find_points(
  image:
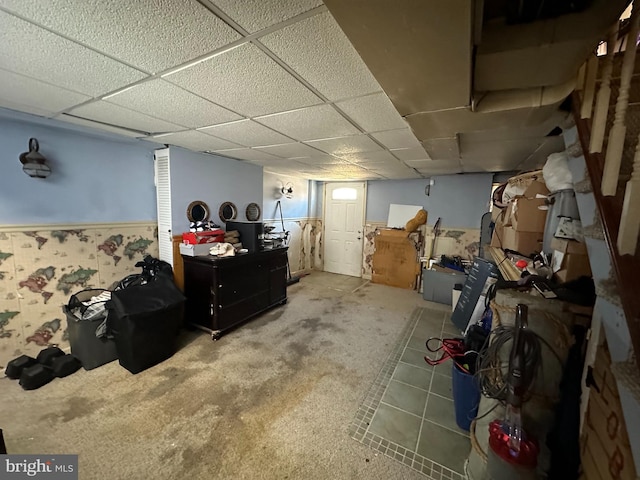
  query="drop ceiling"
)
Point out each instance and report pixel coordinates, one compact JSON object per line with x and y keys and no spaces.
{"x":275,"y":82}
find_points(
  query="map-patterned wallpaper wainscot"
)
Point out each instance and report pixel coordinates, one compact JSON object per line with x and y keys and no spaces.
{"x":41,"y":269}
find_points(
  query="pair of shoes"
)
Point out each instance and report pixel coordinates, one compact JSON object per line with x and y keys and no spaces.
{"x":35,"y":372}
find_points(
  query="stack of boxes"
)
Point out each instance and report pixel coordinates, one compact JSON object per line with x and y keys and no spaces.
{"x":570,"y":259}
{"x":520,"y":227}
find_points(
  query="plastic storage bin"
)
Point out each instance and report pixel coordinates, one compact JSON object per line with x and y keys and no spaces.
{"x":85,"y":346}
{"x":438,"y":286}
{"x":466,"y":397}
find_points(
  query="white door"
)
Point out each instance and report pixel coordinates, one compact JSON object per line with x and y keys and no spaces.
{"x":163,"y":197}
{"x":344,"y":205}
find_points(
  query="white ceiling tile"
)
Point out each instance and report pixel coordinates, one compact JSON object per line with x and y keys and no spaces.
{"x":164,"y":100}
{"x":151,"y":34}
{"x":417,"y":153}
{"x":248,"y":154}
{"x":344,"y":146}
{"x":36,"y":94}
{"x":122,"y":117}
{"x":246,"y":81}
{"x":318,"y":50}
{"x":255,"y":15}
{"x":440,"y":167}
{"x":195,"y":141}
{"x":372,"y":157}
{"x":247,"y":133}
{"x":373,"y":112}
{"x":37,"y":53}
{"x":402,"y":175}
{"x":321,"y":121}
{"x":99,"y":126}
{"x":291,"y":150}
{"x":397,"y":138}
{"x":322,"y":160}
{"x":4,"y":103}
{"x":419,"y":163}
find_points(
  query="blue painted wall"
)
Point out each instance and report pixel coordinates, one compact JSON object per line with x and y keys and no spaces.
{"x":214,"y":180}
{"x":298,"y":206}
{"x":460,"y":200}
{"x":95,"y":177}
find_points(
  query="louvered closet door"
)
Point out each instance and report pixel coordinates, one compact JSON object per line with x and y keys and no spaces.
{"x":163,"y":195}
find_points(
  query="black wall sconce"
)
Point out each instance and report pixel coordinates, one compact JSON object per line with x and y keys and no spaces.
{"x":427,"y":188}
{"x":287,"y":190}
{"x":33,"y":162}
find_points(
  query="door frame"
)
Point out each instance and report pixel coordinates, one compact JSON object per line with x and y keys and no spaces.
{"x":324,"y":217}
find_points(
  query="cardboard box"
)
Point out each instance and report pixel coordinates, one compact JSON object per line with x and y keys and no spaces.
{"x":569,"y":246}
{"x":392,"y":232}
{"x":192,"y":250}
{"x":525,"y":243}
{"x":524,"y":213}
{"x":395,"y":261}
{"x":573,"y":266}
{"x":570,"y":259}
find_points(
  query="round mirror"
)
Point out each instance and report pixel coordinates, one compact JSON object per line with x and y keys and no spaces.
{"x":228,"y":211}
{"x":198,"y":211}
{"x":253,"y":212}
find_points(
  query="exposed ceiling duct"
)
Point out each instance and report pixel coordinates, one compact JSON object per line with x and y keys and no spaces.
{"x":479,"y":88}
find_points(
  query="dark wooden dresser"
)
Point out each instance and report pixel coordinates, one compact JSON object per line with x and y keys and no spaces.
{"x":224,"y":292}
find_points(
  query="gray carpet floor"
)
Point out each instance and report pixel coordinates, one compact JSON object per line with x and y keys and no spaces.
{"x":271,"y":400}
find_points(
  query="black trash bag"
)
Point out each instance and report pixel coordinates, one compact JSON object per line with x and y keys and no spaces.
{"x":145,"y":321}
{"x":152,"y":268}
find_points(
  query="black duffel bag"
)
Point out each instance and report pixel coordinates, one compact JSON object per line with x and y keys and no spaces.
{"x":145,"y":321}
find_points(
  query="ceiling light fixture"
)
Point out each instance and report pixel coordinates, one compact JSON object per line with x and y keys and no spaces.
{"x":33,"y":162}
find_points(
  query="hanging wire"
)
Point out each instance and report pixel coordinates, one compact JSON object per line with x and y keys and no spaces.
{"x":493,"y":364}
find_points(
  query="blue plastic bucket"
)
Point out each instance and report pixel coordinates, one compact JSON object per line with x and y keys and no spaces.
{"x":466,"y":397}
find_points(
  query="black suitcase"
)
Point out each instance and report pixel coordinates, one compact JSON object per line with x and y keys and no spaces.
{"x":17,"y":365}
{"x":64,"y":366}
{"x":145,"y":321}
{"x":35,"y":376}
{"x":48,"y":355}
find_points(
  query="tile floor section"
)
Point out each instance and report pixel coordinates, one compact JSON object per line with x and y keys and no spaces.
{"x":408,"y":413}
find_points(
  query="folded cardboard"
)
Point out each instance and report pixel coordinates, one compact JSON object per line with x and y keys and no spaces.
{"x":395,"y":260}
{"x":525,"y":243}
{"x":569,"y":246}
{"x":197,"y":250}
